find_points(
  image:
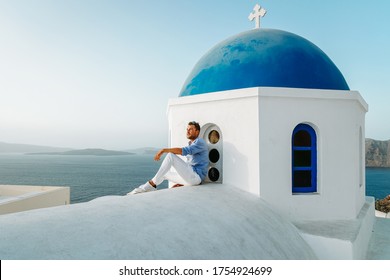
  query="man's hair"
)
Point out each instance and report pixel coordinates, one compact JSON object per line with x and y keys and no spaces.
{"x":197,"y":126}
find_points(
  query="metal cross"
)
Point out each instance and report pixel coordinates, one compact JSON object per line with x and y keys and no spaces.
{"x":258,"y":12}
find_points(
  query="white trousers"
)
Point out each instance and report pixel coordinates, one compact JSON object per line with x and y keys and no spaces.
{"x":182,"y":172}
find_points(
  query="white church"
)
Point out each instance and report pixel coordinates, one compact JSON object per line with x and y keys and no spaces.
{"x":286,"y":178}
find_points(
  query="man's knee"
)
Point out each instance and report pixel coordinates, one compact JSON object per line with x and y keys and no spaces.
{"x":170,"y":157}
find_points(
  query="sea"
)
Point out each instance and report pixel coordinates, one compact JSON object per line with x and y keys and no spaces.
{"x":90,"y":177}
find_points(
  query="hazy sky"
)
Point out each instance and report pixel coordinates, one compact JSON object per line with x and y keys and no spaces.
{"x":90,"y":73}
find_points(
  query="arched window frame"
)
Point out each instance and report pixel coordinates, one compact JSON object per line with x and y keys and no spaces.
{"x":308,"y":171}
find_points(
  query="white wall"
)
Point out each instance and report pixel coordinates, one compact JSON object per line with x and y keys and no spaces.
{"x":337,"y":117}
{"x":257,"y":125}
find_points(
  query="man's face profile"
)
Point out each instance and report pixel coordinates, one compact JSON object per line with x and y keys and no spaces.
{"x":192,"y":133}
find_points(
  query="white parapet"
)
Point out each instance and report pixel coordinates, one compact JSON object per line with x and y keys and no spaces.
{"x":341,"y":239}
{"x":14,"y":198}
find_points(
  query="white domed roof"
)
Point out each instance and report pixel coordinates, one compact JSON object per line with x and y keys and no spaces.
{"x":205,"y":222}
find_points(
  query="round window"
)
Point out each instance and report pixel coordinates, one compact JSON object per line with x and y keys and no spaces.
{"x":213,"y":137}
{"x":213,"y":174}
{"x":214,"y":155}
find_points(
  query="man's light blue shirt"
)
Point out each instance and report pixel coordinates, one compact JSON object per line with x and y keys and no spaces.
{"x":197,"y":156}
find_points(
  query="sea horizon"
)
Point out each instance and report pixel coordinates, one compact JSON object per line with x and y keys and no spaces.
{"x":90,"y":177}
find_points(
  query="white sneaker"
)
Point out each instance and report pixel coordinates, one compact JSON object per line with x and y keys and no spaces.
{"x":147,"y":187}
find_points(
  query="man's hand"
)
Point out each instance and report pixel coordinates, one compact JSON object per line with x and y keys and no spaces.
{"x":158,"y":155}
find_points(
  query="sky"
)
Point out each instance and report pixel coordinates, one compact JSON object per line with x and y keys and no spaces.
{"x":99,"y":73}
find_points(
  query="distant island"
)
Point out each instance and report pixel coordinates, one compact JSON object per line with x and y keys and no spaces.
{"x":377,"y":152}
{"x":11,"y":148}
{"x":27,"y":149}
{"x":145,"y":150}
{"x":86,"y":152}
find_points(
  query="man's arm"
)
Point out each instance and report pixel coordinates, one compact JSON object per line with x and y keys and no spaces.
{"x":177,"y":151}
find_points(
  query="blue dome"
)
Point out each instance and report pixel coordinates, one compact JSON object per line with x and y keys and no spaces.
{"x":263,"y":58}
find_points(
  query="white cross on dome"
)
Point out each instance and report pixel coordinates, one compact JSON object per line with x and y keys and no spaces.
{"x":258,"y":12}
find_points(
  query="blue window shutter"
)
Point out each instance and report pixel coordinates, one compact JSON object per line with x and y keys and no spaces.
{"x":304,"y":159}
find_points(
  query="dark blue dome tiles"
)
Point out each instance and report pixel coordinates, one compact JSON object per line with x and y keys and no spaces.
{"x":263,"y":58}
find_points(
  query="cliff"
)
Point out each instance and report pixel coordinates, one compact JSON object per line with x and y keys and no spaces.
{"x":377,"y":153}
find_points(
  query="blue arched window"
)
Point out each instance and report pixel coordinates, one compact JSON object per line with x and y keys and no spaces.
{"x":304,"y":159}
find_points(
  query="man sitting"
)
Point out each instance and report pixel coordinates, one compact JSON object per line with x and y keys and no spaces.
{"x":187,"y":173}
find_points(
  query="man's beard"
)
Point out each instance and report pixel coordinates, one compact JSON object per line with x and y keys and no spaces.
{"x":190,"y":137}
